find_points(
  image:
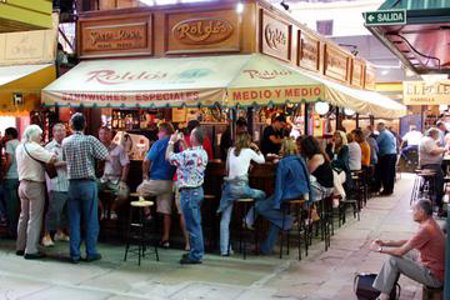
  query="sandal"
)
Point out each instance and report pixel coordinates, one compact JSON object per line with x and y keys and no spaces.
{"x":164,"y":244}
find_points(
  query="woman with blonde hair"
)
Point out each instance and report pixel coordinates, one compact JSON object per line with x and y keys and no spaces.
{"x":236,"y":184}
{"x":291,"y":182}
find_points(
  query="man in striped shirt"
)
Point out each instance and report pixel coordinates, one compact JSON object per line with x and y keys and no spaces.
{"x":80,"y":152}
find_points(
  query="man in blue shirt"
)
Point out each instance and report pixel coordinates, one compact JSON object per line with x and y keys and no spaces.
{"x":157,"y":175}
{"x":387,"y":159}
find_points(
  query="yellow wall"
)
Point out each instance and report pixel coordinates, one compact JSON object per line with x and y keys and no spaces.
{"x":34,"y":13}
{"x":30,"y":86}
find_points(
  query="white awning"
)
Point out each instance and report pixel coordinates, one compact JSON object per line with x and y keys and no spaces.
{"x":228,"y":80}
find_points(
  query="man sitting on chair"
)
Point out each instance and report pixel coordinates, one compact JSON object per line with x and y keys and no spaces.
{"x":429,"y":241}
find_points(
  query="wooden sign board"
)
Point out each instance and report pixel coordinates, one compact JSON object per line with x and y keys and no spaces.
{"x":127,"y":35}
{"x":370,"y":78}
{"x":358,"y":73}
{"x":309,"y":51}
{"x":203,"y":32}
{"x":336,"y":64}
{"x":275,"y":36}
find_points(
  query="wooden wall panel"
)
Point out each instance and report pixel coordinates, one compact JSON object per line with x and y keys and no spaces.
{"x":308,"y":51}
{"x":336,"y":64}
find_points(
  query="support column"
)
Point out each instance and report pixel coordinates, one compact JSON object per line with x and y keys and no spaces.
{"x":306,"y":119}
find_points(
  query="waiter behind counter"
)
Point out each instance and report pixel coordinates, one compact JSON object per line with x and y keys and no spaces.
{"x":272,"y":138}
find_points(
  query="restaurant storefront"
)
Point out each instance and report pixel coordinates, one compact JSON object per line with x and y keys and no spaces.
{"x":224,"y":34}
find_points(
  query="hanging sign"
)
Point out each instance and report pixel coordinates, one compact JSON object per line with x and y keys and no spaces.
{"x":426,"y":93}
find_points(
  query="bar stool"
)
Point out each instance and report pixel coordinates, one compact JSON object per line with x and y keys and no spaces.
{"x":138,"y":229}
{"x":242,"y":205}
{"x":286,"y":209}
{"x":358,"y":188}
{"x":323,"y":224}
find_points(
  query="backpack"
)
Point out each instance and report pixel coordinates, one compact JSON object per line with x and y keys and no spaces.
{"x":362,"y":285}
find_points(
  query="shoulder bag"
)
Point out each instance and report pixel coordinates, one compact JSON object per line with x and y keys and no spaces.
{"x":50,"y":168}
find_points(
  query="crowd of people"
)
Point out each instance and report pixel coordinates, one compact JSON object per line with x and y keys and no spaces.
{"x":173,"y":173}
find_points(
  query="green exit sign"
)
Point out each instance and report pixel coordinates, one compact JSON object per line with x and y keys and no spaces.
{"x":385,"y":17}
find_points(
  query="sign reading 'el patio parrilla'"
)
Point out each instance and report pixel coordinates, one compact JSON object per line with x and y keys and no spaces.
{"x":426,"y":93}
{"x":116,"y":37}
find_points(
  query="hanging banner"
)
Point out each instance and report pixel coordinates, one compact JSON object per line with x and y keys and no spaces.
{"x":426,"y":93}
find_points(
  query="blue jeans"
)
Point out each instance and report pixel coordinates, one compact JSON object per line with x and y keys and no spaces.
{"x":191,"y":202}
{"x":230,"y":193}
{"x":83,"y":205}
{"x":266,"y":209}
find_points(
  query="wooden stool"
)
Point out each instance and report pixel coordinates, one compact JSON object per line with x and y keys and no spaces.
{"x":298,"y":203}
{"x":243,"y":205}
{"x":138,"y":230}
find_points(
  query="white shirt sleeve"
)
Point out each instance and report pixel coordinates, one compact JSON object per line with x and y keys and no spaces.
{"x":258,"y":158}
{"x":39,"y":153}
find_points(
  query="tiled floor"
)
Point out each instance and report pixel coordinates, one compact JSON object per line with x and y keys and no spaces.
{"x":322,"y":275}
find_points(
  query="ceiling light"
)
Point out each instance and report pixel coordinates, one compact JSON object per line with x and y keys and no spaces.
{"x":349,"y":112}
{"x":240,"y":8}
{"x":321,"y":108}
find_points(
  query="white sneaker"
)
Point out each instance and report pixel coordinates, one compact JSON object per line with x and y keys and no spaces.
{"x":62,"y":237}
{"x":47,"y":242}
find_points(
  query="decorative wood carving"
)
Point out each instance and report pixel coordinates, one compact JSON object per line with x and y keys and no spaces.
{"x":275,"y":37}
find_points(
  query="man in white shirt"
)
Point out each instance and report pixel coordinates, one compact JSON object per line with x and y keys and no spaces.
{"x":412,"y":139}
{"x":31,"y":157}
{"x":430,"y":158}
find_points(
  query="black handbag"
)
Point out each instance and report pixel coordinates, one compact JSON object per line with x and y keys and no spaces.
{"x":362,"y":285}
{"x":50,"y":168}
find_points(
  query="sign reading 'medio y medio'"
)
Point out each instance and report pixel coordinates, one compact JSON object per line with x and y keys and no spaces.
{"x":385,"y":17}
{"x":426,"y":93}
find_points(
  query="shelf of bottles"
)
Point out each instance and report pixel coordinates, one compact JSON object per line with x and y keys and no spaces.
{"x":127,"y":119}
